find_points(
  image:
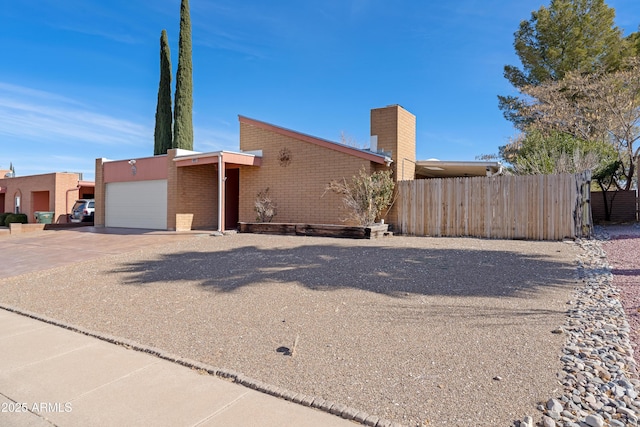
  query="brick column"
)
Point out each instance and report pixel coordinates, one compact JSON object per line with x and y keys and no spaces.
{"x":396,"y":131}
{"x":172,"y":189}
{"x":100,"y":189}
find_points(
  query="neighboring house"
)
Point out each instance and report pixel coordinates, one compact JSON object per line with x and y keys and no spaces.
{"x":51,"y":192}
{"x":186,"y":190}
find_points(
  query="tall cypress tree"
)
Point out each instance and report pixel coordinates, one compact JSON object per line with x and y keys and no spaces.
{"x":183,"y":114}
{"x":164,"y":117}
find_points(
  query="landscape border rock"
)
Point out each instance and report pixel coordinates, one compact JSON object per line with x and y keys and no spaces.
{"x":600,"y":376}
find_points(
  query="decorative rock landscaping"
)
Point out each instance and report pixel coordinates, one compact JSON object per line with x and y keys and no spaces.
{"x":599,"y":376}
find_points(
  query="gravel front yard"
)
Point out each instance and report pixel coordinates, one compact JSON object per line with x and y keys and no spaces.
{"x":416,"y":330}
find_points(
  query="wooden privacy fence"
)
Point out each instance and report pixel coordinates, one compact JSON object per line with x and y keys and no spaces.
{"x":533,"y":207}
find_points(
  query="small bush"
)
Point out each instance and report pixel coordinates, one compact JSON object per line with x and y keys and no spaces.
{"x":3,"y":216}
{"x":264,"y":207}
{"x":16,"y":219}
{"x":366,"y":196}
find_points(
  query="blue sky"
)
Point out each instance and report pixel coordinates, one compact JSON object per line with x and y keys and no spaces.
{"x":79,"y":78}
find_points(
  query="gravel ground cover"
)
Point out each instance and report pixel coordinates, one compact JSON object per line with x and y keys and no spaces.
{"x":622,"y":246}
{"x":420,"y":331}
{"x":600,"y":381}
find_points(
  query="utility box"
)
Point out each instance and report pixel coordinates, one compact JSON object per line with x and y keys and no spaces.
{"x":44,"y":217}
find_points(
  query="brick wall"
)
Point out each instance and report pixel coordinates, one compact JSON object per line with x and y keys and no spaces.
{"x":172,"y":190}
{"x":295,"y":170}
{"x":99,"y":194}
{"x":396,"y":131}
{"x":197,"y":194}
{"x":622,"y":204}
{"x":297,"y":186}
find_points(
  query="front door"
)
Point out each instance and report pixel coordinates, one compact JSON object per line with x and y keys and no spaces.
{"x":232,"y":195}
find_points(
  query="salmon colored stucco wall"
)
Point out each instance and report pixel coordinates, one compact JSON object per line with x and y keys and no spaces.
{"x":61,"y":188}
{"x":144,"y":169}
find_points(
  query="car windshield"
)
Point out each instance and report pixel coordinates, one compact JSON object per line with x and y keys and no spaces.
{"x":91,"y":205}
{"x":78,"y":206}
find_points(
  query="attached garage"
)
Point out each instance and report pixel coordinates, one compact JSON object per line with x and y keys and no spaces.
{"x":178,"y":191}
{"x":138,"y":204}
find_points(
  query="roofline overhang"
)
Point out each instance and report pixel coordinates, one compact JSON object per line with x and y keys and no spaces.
{"x":456,"y":163}
{"x":245,"y":159}
{"x":364,"y":154}
{"x":446,"y":169}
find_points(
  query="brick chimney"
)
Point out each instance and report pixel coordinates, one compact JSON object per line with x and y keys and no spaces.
{"x":395,"y":129}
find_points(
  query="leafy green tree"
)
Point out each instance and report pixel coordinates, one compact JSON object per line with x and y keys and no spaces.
{"x":183,"y":113}
{"x":634,"y":40}
{"x":163,"y":136}
{"x":596,"y":107}
{"x":555,"y":152}
{"x":569,"y":35}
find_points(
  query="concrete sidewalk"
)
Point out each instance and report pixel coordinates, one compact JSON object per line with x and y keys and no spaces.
{"x":53,"y":376}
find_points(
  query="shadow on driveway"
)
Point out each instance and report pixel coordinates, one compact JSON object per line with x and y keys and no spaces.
{"x":386,"y":270}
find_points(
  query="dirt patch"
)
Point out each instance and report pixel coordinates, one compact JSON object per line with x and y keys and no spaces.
{"x":415,"y":330}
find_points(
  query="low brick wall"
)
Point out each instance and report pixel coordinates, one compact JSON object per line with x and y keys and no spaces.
{"x":622,"y":203}
{"x":17,"y":228}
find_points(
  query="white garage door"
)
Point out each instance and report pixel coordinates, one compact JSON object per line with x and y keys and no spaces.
{"x":141,"y":204}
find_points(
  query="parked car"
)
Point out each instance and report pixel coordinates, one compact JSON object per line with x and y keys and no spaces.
{"x":83,"y":210}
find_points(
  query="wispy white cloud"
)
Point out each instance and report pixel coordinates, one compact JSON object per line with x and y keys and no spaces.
{"x":216,"y":139}
{"x":251,"y":30}
{"x":110,"y":35}
{"x":61,"y":158}
{"x":8,"y":89}
{"x":99,"y":19}
{"x":224,"y":41}
{"x":42,"y":162}
{"x":34,"y":115}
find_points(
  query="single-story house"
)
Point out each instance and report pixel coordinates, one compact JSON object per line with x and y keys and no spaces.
{"x":185,"y":190}
{"x":51,"y":192}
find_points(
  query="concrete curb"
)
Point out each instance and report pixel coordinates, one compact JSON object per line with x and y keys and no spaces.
{"x":346,"y":412}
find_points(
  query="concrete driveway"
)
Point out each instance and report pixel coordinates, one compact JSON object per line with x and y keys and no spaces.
{"x":29,"y":252}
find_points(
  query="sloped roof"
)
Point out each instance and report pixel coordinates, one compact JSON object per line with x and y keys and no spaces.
{"x":364,"y":154}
